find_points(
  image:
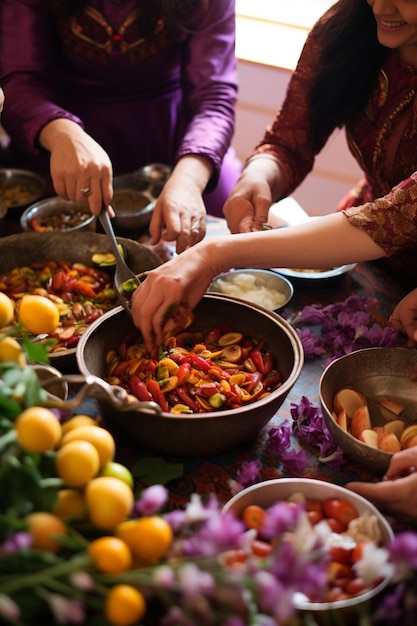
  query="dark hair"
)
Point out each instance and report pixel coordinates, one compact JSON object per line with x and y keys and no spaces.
{"x":176,"y":13}
{"x":347,"y":68}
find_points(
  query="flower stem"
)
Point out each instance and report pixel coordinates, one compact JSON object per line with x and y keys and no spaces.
{"x":42,"y":577}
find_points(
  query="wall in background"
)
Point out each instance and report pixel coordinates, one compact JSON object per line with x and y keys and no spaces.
{"x":261,"y":92}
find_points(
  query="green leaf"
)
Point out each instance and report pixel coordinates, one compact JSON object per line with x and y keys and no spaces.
{"x":37,"y":352}
{"x":156,"y":471}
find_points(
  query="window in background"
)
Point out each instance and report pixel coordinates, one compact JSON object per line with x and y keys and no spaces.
{"x":272,"y":32}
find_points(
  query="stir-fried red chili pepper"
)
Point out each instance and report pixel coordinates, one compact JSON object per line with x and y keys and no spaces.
{"x":195,"y":373}
{"x":81,"y":293}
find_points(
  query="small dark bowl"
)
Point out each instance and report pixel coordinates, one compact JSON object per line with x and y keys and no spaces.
{"x":19,"y":189}
{"x":57,"y":214}
{"x":133,"y":209}
{"x":134,"y":197}
{"x":375,"y":372}
{"x":198,"y":434}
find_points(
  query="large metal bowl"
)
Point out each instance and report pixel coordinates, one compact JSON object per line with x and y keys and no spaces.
{"x":375,"y":372}
{"x":203,"y":433}
{"x":74,"y":247}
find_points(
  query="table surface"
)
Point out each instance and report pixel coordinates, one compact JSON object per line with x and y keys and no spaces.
{"x":212,"y":474}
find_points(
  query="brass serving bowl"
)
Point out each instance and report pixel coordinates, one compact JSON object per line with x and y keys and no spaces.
{"x":200,"y":433}
{"x":376,"y":373}
{"x":74,"y":247}
{"x":267,"y":493}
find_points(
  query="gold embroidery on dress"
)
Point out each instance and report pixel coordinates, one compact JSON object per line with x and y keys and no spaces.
{"x":90,"y":35}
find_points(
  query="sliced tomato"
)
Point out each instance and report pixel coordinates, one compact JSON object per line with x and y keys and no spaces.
{"x":339,"y":509}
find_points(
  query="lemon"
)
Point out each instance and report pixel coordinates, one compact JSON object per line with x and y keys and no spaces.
{"x":38,"y":314}
{"x":6,"y":309}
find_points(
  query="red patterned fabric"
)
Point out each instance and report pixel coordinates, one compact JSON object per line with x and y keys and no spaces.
{"x":383,"y":141}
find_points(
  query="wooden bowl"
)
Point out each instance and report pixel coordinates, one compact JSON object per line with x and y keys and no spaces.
{"x":200,"y":433}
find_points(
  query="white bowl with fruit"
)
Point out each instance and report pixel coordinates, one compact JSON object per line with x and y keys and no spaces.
{"x":370,"y":404}
{"x":334,"y":520}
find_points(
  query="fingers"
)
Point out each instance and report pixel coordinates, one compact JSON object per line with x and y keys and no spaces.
{"x":186,"y":227}
{"x":396,"y":497}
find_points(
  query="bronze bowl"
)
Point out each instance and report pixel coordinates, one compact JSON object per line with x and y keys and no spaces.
{"x":200,"y":433}
{"x":375,"y":372}
{"x":25,"y":248}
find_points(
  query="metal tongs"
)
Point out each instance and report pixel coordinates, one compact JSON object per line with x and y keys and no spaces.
{"x":95,"y":387}
{"x":125,"y":281}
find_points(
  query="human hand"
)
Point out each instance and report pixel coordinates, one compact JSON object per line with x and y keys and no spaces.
{"x":396,"y":494}
{"x":179,"y":214}
{"x":80,"y":168}
{"x":1,"y":99}
{"x":163,"y":301}
{"x":404,"y":317}
{"x":247,"y":206}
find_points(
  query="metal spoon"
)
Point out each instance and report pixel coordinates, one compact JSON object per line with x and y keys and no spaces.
{"x":123,"y":274}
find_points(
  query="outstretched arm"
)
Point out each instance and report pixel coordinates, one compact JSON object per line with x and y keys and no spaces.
{"x":161,"y":302}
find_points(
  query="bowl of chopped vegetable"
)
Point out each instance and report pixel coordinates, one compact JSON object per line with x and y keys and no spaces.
{"x":56,"y":213}
{"x":75,"y":270}
{"x":336,"y":537}
{"x":260,"y":286}
{"x":213,"y":387}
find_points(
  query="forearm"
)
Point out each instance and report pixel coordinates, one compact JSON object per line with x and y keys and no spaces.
{"x":319,"y":243}
{"x":266,"y":167}
{"x":195,"y":169}
{"x":57,"y":130}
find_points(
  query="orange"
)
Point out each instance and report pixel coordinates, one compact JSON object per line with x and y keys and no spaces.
{"x":77,"y":463}
{"x":76,"y":421}
{"x":70,"y":504}
{"x":38,"y":314}
{"x":44,"y":529}
{"x":124,"y":605}
{"x":38,"y":429}
{"x":101,"y":439}
{"x":109,"y":501}
{"x":149,"y":538}
{"x":110,"y":555}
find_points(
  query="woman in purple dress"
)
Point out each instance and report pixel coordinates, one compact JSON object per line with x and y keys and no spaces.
{"x":102,"y":87}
